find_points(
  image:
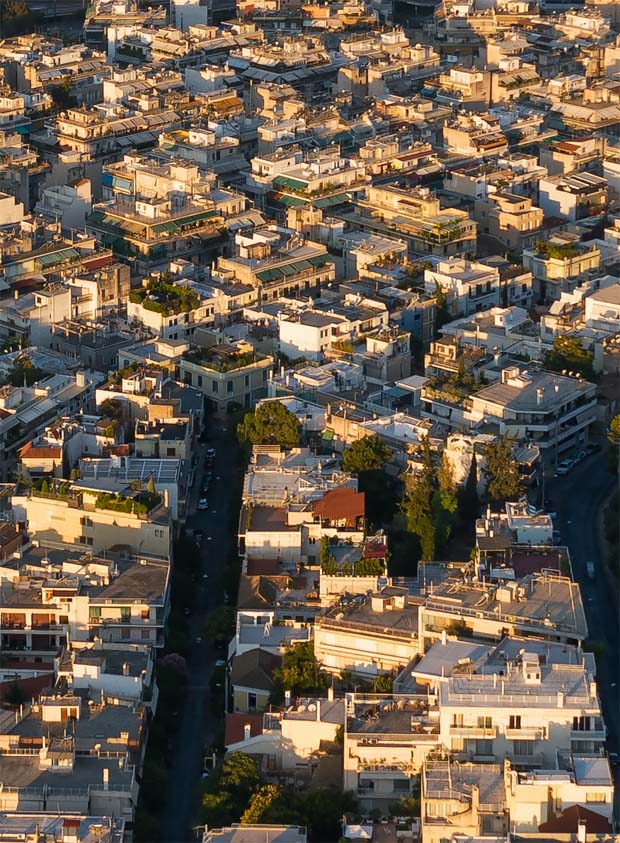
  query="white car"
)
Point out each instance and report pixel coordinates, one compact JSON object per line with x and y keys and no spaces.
{"x":564,"y":467}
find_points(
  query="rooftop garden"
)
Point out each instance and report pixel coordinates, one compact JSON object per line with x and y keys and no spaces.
{"x":220,"y":361}
{"x":560,"y":251}
{"x":168,"y":299}
{"x":141,"y":504}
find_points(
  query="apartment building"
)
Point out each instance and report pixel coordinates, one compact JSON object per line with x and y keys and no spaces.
{"x":52,"y":598}
{"x":554,"y":412}
{"x":28,"y":410}
{"x":514,"y":220}
{"x":386,"y":739}
{"x":368,"y":635}
{"x":417,"y":218}
{"x":545,"y":605}
{"x":96,"y":516}
{"x":227,"y":374}
{"x":574,"y":197}
{"x":560,"y":264}
{"x":471,"y":286}
{"x":276,"y":263}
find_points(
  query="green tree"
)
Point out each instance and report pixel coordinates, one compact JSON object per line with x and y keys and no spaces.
{"x":220,"y":624}
{"x":367,"y":454}
{"x":270,"y":424}
{"x":112,"y":409}
{"x":504,"y":481}
{"x":442,"y":314}
{"x":417,"y":510}
{"x":613,"y":450}
{"x":262,"y":803}
{"x":24,"y":372}
{"x":300,"y":671}
{"x":150,"y":486}
{"x":62,"y":94}
{"x":15,"y":694}
{"x":383,"y":684}
{"x":229,"y":789}
{"x":569,"y":355}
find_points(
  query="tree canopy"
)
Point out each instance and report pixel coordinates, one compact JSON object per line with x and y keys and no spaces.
{"x":270,"y":424}
{"x":569,"y":355}
{"x":229,"y":789}
{"x":504,"y":481}
{"x":367,"y":454}
{"x":300,"y":671}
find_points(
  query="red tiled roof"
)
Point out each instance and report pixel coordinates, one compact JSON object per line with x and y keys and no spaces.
{"x":236,"y":723}
{"x":41,"y":451}
{"x":341,"y":503}
{"x":566,"y":823}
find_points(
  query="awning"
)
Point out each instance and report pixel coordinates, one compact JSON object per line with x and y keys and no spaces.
{"x":328,"y":435}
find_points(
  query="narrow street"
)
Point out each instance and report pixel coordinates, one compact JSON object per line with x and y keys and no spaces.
{"x":198,"y":728}
{"x":577,"y":498}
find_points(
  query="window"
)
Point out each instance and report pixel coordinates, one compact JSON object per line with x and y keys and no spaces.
{"x":94,"y":612}
{"x":596,"y":797}
{"x":247,"y":381}
{"x":457,"y":719}
{"x":125,"y":613}
{"x":523,"y":747}
{"x":251,"y":701}
{"x":515,"y":721}
{"x":199,"y":380}
{"x":214,"y":387}
{"x":171,"y":452}
{"x":485,"y":723}
{"x":229,"y":387}
{"x":145,"y":634}
{"x":484,"y":747}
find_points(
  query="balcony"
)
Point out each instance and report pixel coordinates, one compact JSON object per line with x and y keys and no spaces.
{"x":591,"y":735}
{"x":534,"y":733}
{"x":474,"y":732}
{"x":535,"y":760}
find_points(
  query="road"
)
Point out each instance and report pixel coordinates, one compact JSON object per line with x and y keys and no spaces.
{"x":577,"y":498}
{"x":198,"y":729}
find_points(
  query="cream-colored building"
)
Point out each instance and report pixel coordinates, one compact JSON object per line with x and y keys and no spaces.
{"x":82,"y":516}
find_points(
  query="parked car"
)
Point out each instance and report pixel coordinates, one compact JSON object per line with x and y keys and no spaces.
{"x":564,"y":467}
{"x":203,"y":503}
{"x":593,"y":447}
{"x":590,"y":570}
{"x":581,"y":455}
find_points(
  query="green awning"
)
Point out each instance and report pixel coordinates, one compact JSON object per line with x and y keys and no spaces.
{"x":57,"y":257}
{"x":291,"y":184}
{"x":330,"y":201}
{"x":290,"y":201}
{"x":328,"y":435}
{"x":23,"y":130}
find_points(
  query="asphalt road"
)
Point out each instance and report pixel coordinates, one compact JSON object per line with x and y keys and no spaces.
{"x":577,"y":498}
{"x":198,"y":728}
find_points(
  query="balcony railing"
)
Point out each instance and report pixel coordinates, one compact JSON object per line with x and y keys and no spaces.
{"x":535,"y":733}
{"x":474,"y":731}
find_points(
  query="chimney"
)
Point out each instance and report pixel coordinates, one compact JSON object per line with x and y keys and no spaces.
{"x":560,"y":699}
{"x":106,"y":778}
{"x":125,"y":669}
{"x":581,"y":831}
{"x":16,"y":294}
{"x":287,"y":699}
{"x":247,"y":732}
{"x":166,"y":498}
{"x":539,"y":396}
{"x":330,"y":694}
{"x":318,"y":711}
{"x":444,"y":637}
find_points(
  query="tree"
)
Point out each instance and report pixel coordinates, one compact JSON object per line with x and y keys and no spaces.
{"x":220,"y":625}
{"x":504,"y":481}
{"x":150,"y":486}
{"x":62,"y":94}
{"x":112,"y":409}
{"x":262,"y":805}
{"x":383,"y":684}
{"x":15,"y":694}
{"x":367,"y":454}
{"x":24,"y":372}
{"x":418,"y":515}
{"x":270,"y":424}
{"x":300,"y":671}
{"x":613,"y":437}
{"x":229,"y":789}
{"x":569,"y":355}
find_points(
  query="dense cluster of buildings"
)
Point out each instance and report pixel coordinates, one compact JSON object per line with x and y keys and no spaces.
{"x":382,"y":214}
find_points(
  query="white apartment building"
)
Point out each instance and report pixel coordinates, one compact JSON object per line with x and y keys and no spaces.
{"x":469,"y":286}
{"x":552,"y":411}
{"x":573,"y":197}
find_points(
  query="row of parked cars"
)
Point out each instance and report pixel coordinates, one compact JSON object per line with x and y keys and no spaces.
{"x":568,"y":464}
